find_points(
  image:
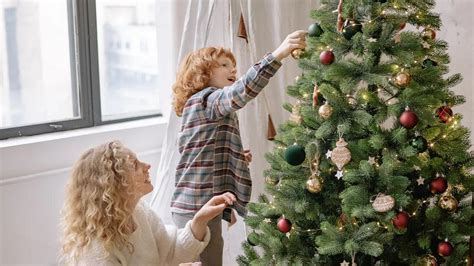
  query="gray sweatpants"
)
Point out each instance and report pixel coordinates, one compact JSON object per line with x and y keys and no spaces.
{"x":212,"y":254}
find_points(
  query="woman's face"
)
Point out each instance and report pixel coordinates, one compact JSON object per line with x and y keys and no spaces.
{"x":139,"y":176}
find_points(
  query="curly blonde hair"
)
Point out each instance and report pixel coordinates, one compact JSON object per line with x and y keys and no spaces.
{"x":96,"y":206}
{"x":194,"y":74}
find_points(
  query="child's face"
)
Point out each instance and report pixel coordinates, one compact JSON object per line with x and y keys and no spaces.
{"x":224,"y":74}
{"x":139,"y":175}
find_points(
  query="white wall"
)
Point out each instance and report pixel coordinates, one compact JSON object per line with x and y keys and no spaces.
{"x":33,"y":176}
{"x":457,"y":18}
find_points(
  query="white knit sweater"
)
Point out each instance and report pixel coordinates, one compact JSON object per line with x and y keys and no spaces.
{"x":155,"y":244}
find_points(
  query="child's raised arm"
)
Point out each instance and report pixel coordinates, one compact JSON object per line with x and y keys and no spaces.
{"x":221,"y":102}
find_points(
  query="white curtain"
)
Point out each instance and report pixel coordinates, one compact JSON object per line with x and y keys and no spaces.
{"x":215,"y":23}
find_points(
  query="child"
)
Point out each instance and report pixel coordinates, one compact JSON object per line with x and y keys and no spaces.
{"x":105,"y":222}
{"x":206,"y":95}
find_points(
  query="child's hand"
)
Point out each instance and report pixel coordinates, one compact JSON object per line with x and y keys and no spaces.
{"x":248,"y":156}
{"x":293,"y":41}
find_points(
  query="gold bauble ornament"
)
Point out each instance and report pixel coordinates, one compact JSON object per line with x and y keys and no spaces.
{"x":271,"y":180}
{"x":448,"y":203}
{"x":402,"y":79}
{"x":314,"y":184}
{"x":296,"y":53}
{"x":341,"y":155}
{"x":295,"y":113}
{"x":325,"y":111}
{"x":428,"y":34}
{"x":352,"y":101}
{"x":342,"y":220}
{"x":429,"y":260}
{"x":383,"y":203}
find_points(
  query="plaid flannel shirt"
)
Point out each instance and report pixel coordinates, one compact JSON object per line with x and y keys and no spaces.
{"x":212,"y":159}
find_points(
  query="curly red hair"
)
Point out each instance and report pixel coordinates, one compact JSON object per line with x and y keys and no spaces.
{"x":194,"y":74}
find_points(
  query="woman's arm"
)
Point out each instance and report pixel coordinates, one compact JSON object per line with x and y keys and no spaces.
{"x":184,"y":245}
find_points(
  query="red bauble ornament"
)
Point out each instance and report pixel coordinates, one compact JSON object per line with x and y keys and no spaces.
{"x":438,"y":185}
{"x":408,"y":119}
{"x":445,"y":248}
{"x":326,"y":57}
{"x":444,"y":113}
{"x":400,"y":221}
{"x":284,"y":225}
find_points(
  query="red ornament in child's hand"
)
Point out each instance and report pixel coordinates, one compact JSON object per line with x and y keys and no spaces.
{"x":438,"y":185}
{"x":400,"y":221}
{"x":326,"y":57}
{"x":445,"y":248}
{"x":444,"y":113}
{"x":408,"y":119}
{"x":284,"y":225}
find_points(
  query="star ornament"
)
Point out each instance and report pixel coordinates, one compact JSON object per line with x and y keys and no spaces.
{"x":344,"y":263}
{"x":426,"y":45}
{"x":417,"y":168}
{"x":371,"y":160}
{"x":420,"y":181}
{"x":267,"y":220}
{"x":372,"y":40}
{"x":339,"y":174}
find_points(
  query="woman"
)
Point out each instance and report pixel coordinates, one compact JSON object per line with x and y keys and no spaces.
{"x":105,"y":222}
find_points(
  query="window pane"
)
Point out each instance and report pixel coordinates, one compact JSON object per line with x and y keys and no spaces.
{"x":36,"y":63}
{"x":128,"y":62}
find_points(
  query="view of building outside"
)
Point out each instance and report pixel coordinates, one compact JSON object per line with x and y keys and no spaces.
{"x":128,"y":57}
{"x":37,"y":61}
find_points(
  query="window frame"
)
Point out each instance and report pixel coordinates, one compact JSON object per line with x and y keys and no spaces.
{"x":82,"y":24}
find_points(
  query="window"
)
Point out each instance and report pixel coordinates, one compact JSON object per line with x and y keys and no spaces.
{"x":58,"y":71}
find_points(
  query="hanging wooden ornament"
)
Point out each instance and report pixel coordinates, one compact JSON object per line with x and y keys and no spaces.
{"x":315,"y":94}
{"x":271,"y":132}
{"x":340,"y":19}
{"x":341,"y":155}
{"x":242,"y":31}
{"x":295,"y":113}
{"x":383,"y":203}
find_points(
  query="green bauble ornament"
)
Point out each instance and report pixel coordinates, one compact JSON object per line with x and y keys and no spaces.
{"x":295,"y":154}
{"x":351,"y":28}
{"x":252,"y":239}
{"x":315,"y":30}
{"x":419,"y":143}
{"x":428,"y":63}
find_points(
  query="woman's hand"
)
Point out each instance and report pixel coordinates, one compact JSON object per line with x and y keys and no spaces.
{"x":295,"y":40}
{"x":209,"y":211}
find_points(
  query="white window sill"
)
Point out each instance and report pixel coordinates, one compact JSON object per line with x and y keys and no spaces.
{"x":32,"y":155}
{"x":12,"y":142}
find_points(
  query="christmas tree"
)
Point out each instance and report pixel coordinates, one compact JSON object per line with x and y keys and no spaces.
{"x":373,"y":167}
